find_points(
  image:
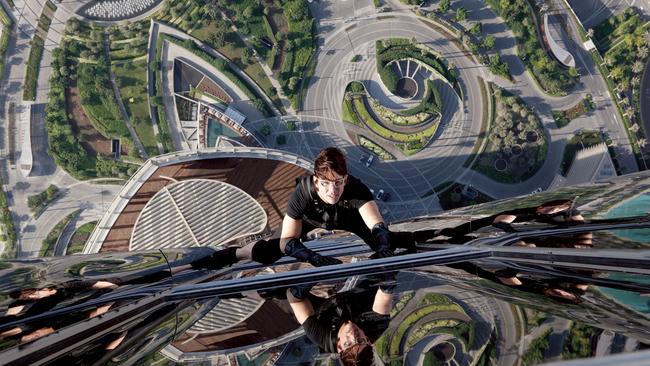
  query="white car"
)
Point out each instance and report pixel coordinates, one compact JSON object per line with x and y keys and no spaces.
{"x":369,"y":161}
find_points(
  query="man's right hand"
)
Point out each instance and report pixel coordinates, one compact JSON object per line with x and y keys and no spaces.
{"x":318,"y":260}
{"x":297,"y":249}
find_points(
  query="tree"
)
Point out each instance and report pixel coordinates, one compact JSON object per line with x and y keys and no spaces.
{"x":461,"y":15}
{"x":213,"y":11}
{"x":247,"y":55}
{"x":444,"y":5}
{"x":217,"y":39}
{"x":476,"y":28}
{"x":489,"y":42}
{"x":573,"y":72}
{"x":643,"y":52}
{"x":637,"y":67}
{"x":248,"y":12}
{"x":293,"y":83}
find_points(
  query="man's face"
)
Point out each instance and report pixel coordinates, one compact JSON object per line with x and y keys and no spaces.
{"x":330,"y":188}
{"x":350,"y":334}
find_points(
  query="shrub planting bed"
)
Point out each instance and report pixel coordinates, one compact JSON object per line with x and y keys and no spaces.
{"x":514,"y":124}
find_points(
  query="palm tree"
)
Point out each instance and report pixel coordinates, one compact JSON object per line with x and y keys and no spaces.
{"x":608,"y":61}
{"x":629,"y":113}
{"x":634,"y":128}
{"x":637,"y":67}
{"x":643,"y":52}
{"x":646,"y":38}
{"x":636,"y":81}
{"x":642,"y":142}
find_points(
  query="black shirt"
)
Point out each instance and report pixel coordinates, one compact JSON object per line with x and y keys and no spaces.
{"x":305,"y":205}
{"x":355,"y":305}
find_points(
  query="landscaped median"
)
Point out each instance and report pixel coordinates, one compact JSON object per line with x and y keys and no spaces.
{"x":564,"y":117}
{"x":32,"y":68}
{"x":8,"y":234}
{"x":48,"y":245}
{"x":7,"y":26}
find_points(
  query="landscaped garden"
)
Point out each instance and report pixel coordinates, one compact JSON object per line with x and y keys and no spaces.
{"x":32,"y":68}
{"x":368,"y":144}
{"x":8,"y":231}
{"x":38,"y":202}
{"x":549,"y":74}
{"x":421,"y":122}
{"x":396,"y":49}
{"x":80,"y":68}
{"x":516,"y":144}
{"x":279,"y":31}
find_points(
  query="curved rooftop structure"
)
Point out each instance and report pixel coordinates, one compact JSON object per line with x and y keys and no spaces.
{"x":264,"y":175}
{"x":564,"y":56}
{"x":196,"y":212}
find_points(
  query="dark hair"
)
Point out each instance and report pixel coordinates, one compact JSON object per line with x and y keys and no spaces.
{"x":330,"y":160}
{"x":358,"y":355}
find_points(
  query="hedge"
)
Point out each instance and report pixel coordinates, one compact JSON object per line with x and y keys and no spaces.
{"x":8,"y":228}
{"x":32,"y":69}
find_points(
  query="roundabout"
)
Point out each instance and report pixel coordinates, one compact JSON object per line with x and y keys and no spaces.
{"x":459,"y":123}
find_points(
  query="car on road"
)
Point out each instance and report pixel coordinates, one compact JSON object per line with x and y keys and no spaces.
{"x":381,"y":195}
{"x":369,"y":161}
{"x":539,"y":189}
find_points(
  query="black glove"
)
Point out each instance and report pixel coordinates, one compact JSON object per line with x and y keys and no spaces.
{"x":217,"y":260}
{"x":388,"y":282}
{"x":381,"y":234}
{"x":300,"y":291}
{"x":297,"y":249}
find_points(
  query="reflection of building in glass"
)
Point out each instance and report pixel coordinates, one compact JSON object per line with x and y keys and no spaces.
{"x":508,"y":287}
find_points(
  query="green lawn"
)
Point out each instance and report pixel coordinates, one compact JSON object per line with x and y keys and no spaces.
{"x":131,"y":79}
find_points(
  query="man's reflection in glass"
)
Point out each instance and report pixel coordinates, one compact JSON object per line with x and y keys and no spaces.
{"x":557,"y":212}
{"x":34,"y":301}
{"x":347,"y":323}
